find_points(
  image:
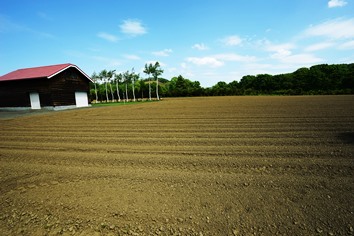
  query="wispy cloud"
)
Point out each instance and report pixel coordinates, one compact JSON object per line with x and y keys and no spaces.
{"x":279,"y":51}
{"x":200,"y":46}
{"x":133,"y":28}
{"x":284,"y":53}
{"x":300,"y":59}
{"x":219,"y":60}
{"x":232,"y":40}
{"x":132,"y":57}
{"x":347,"y":45}
{"x":8,"y":26}
{"x":278,"y":47}
{"x":234,"y":57}
{"x":205,"y":61}
{"x":334,"y":29}
{"x":319,"y":46}
{"x":336,"y":3}
{"x":108,"y":37}
{"x":163,"y":53}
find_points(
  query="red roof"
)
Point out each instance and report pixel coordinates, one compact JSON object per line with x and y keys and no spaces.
{"x":45,"y":72}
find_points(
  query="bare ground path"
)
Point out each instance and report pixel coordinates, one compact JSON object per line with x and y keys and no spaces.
{"x":194,"y":166}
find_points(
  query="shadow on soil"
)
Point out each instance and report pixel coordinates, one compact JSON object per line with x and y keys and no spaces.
{"x":347,"y":137}
{"x":6,"y":114}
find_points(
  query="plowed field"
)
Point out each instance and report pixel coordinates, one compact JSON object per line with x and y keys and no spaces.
{"x":191,"y":166}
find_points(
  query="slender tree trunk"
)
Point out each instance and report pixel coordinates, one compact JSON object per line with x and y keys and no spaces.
{"x":107,"y":100}
{"x":149,"y":89}
{"x":157,"y":88}
{"x":110,"y":85}
{"x":133,"y":90}
{"x":126,"y":91}
{"x":118,"y":91}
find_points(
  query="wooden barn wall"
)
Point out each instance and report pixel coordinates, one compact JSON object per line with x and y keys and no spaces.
{"x":16,"y":93}
{"x":64,"y":85}
{"x":56,"y":91}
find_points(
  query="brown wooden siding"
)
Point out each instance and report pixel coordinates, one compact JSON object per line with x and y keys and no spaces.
{"x":64,"y":85}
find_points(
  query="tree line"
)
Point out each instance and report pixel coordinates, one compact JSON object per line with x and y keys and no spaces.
{"x":109,"y":86}
{"x":317,"y":80}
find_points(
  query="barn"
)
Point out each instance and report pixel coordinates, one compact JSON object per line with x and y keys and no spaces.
{"x":47,"y":87}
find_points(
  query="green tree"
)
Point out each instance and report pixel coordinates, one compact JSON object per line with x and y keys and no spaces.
{"x":110,"y":75}
{"x":181,"y":87}
{"x":154,"y":70}
{"x":234,"y":88}
{"x":141,"y":87}
{"x":103,"y":76}
{"x":300,"y":80}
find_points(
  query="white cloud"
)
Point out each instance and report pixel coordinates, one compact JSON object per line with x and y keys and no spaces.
{"x":347,"y":45}
{"x":133,"y":28}
{"x":200,"y":46}
{"x":301,"y":59}
{"x":336,"y":3}
{"x":108,"y":37}
{"x":334,"y":29}
{"x":279,"y":50}
{"x":233,"y":40}
{"x":278,"y":47}
{"x":205,"y":61}
{"x":284,"y":54}
{"x":163,"y":53}
{"x":281,"y":53}
{"x":235,"y":57}
{"x":318,"y":46}
{"x":132,"y":57}
{"x":218,"y":60}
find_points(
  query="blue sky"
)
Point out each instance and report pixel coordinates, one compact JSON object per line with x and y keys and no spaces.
{"x":203,"y":40}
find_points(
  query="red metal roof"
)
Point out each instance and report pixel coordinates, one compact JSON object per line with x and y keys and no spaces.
{"x":45,"y":72}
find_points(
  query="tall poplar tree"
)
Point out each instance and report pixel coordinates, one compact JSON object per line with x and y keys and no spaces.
{"x":156,"y":71}
{"x":103,"y":76}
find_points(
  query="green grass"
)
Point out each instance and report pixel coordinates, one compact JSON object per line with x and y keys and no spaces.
{"x":104,"y":104}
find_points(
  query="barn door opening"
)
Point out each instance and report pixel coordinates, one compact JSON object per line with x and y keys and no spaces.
{"x":81,"y":99}
{"x":35,"y":102}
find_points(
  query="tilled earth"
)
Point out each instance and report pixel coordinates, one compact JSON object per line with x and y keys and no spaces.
{"x":191,"y":166}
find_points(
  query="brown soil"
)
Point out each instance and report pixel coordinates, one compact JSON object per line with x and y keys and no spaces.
{"x":194,"y":166}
